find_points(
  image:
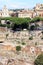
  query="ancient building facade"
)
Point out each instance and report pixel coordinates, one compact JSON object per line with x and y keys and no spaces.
{"x":5,"y":12}
{"x":39,"y":10}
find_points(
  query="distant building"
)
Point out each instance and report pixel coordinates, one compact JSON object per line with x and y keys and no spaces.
{"x":5,"y":12}
{"x":25,"y":13}
{"x":39,"y":10}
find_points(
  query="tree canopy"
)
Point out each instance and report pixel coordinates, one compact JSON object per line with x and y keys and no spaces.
{"x":39,"y":60}
{"x":20,"y":23}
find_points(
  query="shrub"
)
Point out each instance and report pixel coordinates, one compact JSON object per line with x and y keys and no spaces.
{"x":31,"y":38}
{"x":23,"y":43}
{"x":18,"y":48}
{"x":35,"y":43}
{"x":2,"y":25}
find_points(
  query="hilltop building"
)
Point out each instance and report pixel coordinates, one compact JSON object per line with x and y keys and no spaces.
{"x":39,"y":10}
{"x":25,"y":13}
{"x":36,"y":11}
{"x":5,"y":12}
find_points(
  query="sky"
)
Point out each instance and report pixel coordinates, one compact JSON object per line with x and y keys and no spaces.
{"x":16,"y":4}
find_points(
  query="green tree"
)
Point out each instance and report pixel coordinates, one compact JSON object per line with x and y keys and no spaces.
{"x":39,"y":60}
{"x":32,"y":27}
